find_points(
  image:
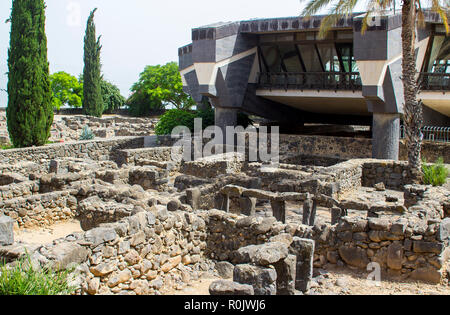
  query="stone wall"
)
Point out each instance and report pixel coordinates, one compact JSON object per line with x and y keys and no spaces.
{"x":153,"y":251}
{"x":100,"y":150}
{"x":352,"y":148}
{"x":228,"y":233}
{"x":407,"y":248}
{"x":394,"y":175}
{"x":40,"y":210}
{"x":135,"y":156}
{"x":336,"y":147}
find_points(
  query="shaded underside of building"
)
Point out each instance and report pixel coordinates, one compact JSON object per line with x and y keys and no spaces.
{"x":281,"y":70}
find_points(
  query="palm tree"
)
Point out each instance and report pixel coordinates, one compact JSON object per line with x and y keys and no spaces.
{"x":412,"y":14}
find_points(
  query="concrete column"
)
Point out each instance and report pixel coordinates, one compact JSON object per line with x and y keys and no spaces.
{"x":385,"y":136}
{"x":225,"y":117}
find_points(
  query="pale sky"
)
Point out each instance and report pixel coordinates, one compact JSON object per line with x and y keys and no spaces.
{"x":135,"y":33}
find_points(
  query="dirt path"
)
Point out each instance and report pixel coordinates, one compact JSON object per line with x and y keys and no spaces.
{"x":42,"y":236}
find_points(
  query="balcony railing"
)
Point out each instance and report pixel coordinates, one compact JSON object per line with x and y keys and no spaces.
{"x":310,"y":80}
{"x":431,"y":133}
{"x":429,"y":81}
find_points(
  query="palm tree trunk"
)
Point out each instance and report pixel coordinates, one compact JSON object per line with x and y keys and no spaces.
{"x":413,"y":109}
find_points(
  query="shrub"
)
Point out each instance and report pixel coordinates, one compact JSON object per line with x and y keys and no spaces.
{"x":30,"y":110}
{"x":173,"y":118}
{"x":24,"y":279}
{"x":435,"y":174}
{"x":87,"y":134}
{"x":178,"y":117}
{"x":112,"y":99}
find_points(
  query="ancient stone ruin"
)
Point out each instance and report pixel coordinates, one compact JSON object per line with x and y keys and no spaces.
{"x":150,"y":225}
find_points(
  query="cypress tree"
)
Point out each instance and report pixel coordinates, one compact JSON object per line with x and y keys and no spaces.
{"x":29,"y":112}
{"x":93,"y":100}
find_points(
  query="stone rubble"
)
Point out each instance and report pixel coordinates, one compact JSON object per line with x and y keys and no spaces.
{"x":151,"y":225}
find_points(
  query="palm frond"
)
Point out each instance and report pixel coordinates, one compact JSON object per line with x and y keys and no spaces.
{"x":314,"y":6}
{"x":436,"y":7}
{"x":340,"y":10}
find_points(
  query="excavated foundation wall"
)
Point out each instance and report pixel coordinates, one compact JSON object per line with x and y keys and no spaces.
{"x":409,"y":249}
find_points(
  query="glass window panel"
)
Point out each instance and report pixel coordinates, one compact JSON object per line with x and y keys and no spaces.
{"x":436,"y":47}
{"x":348,"y":59}
{"x":329,"y":57}
{"x":272,"y":58}
{"x":290,"y":58}
{"x":310,"y":58}
{"x":440,"y":55}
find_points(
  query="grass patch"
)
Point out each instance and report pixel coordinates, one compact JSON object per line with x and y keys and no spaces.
{"x":435,"y":174}
{"x":6,"y":147}
{"x":23,"y":279}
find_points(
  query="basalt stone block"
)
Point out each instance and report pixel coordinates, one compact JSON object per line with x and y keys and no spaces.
{"x":225,"y":269}
{"x":286,"y":273}
{"x":354,"y":256}
{"x":262,"y":255}
{"x":65,"y":255}
{"x":279,"y":210}
{"x":193,"y":197}
{"x":248,"y":206}
{"x":303,"y":249}
{"x":428,"y":247}
{"x":6,"y":231}
{"x":444,"y":230}
{"x":395,"y":256}
{"x":100,"y":235}
{"x":223,"y":287}
{"x":263,"y":280}
{"x":222,"y":202}
{"x":427,"y":274}
{"x":307,"y":211}
{"x":336,"y":215}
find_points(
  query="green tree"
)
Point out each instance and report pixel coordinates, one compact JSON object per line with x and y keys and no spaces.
{"x":158,"y":87}
{"x":66,"y":89}
{"x":92,"y":92}
{"x":412,"y":15}
{"x":112,"y":99}
{"x":29,"y":112}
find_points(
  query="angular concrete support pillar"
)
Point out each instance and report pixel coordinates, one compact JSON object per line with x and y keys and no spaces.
{"x":248,"y":206}
{"x":386,"y":136}
{"x":225,"y":117}
{"x":279,"y":210}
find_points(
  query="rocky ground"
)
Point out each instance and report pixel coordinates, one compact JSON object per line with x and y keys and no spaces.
{"x":335,"y":281}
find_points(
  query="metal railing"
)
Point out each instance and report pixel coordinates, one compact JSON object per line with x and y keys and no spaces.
{"x":310,"y":80}
{"x":429,"y":81}
{"x":431,"y":133}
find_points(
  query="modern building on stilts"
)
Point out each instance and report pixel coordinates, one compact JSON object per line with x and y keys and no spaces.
{"x":281,"y":70}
